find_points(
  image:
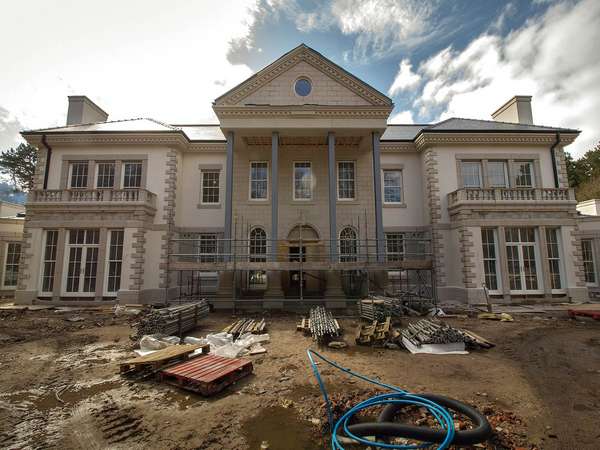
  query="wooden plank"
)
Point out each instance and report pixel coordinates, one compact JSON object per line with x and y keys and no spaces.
{"x":165,"y":353}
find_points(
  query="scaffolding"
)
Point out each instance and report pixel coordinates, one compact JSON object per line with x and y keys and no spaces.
{"x":300,"y":271}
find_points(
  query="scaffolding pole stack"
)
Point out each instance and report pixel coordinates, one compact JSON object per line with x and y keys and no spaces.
{"x":174,"y":320}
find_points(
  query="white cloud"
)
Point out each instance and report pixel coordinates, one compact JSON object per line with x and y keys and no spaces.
{"x":554,"y":58}
{"x":402,"y":117}
{"x":381,"y":26}
{"x":405,"y":78}
{"x":134,"y":58}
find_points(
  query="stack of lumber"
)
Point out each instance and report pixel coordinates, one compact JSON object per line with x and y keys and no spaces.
{"x":321,"y":325}
{"x":174,"y":320}
{"x":378,"y":307}
{"x":242,"y":326}
{"x":378,"y":332}
{"x":437,"y":332}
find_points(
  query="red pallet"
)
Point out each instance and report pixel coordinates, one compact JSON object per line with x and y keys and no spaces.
{"x":593,"y":313}
{"x":207,"y":374}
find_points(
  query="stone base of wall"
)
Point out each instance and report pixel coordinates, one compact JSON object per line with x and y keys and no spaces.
{"x":580,"y":294}
{"x":25,"y":297}
{"x":476,"y":296}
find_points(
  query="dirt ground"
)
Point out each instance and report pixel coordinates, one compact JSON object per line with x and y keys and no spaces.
{"x":60,"y":388}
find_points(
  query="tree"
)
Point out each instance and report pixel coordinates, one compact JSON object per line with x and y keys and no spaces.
{"x":584,"y":174}
{"x":19,"y":164}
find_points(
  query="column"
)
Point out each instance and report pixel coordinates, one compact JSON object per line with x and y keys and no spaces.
{"x":274,"y":193}
{"x":378,"y":201}
{"x":544,"y":271}
{"x":503,"y":264}
{"x":332,"y":197}
{"x":228,"y":195}
{"x":102,"y":255}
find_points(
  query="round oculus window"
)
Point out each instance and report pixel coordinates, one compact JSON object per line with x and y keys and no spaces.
{"x":302,"y":87}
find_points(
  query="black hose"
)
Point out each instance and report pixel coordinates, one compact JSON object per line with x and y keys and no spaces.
{"x":386,"y":428}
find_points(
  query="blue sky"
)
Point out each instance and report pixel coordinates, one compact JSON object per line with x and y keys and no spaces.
{"x":436,"y":59}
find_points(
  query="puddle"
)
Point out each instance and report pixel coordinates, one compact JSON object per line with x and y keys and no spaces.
{"x":281,"y":428}
{"x":70,"y":396}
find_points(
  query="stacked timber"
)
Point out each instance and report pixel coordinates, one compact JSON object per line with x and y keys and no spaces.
{"x":378,"y":307}
{"x":435,"y":332}
{"x":376,"y":333}
{"x":174,"y":320}
{"x":246,"y":326}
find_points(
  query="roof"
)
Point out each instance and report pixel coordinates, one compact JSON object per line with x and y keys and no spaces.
{"x":408,"y":132}
{"x":213,"y":133}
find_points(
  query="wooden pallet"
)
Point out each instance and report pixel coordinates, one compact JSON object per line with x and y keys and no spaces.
{"x":593,"y":313}
{"x":160,"y":358}
{"x":207,"y":374}
{"x":375,"y":333}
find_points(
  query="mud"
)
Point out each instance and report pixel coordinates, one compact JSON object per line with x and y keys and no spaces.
{"x":60,"y":388}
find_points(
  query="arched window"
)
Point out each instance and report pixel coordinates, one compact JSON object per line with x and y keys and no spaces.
{"x":348,"y":245}
{"x":257,"y":279}
{"x":258,"y":244}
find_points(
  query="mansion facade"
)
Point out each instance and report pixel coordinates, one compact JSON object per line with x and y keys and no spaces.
{"x":303,"y":190}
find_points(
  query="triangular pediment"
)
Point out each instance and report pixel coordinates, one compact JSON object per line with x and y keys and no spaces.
{"x":331,"y":84}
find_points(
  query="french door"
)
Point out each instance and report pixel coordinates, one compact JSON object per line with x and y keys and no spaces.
{"x":522,"y":256}
{"x":81,"y":262}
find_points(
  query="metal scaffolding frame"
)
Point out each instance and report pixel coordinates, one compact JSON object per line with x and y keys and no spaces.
{"x":409,"y":274}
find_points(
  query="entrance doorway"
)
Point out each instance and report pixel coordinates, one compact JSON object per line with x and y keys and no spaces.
{"x":523,"y":261}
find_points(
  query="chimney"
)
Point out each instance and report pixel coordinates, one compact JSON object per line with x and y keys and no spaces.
{"x":83,"y":110}
{"x":516,"y":110}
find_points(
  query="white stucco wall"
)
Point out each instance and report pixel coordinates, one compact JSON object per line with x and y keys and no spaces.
{"x":413,"y":214}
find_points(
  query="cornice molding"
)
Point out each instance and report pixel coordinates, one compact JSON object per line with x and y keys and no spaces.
{"x":395,"y":147}
{"x":296,"y":112}
{"x":176,"y":140}
{"x":206,"y":147}
{"x":314,"y":59}
{"x":425,"y":139}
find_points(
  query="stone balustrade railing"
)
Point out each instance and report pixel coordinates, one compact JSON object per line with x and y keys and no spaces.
{"x":509,"y":195}
{"x":115,"y":196}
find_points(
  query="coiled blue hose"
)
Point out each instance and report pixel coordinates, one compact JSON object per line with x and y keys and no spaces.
{"x":397,"y":396}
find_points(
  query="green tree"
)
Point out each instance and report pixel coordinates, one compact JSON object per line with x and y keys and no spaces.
{"x":19,"y":164}
{"x":584,"y":174}
{"x":575,"y":171}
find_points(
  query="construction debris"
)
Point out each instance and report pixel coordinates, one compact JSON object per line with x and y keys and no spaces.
{"x":242,"y":326}
{"x":435,"y":332}
{"x":378,"y":307}
{"x":145,"y":366}
{"x":376,"y":333}
{"x":502,"y":317}
{"x":321,"y":325}
{"x":174,"y":320}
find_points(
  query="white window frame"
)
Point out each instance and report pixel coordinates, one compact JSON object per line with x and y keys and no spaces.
{"x":97,"y":174}
{"x":346,"y":199}
{"x":496,"y":259}
{"x":133,"y":161}
{"x":107,"y":262}
{"x":593,"y":261}
{"x":202,"y":202}
{"x":311,"y":184}
{"x":561,"y":268}
{"x":348,"y":257}
{"x":266,"y":198}
{"x":65,"y":264}
{"x":12,"y":286}
{"x":531,"y":170}
{"x":257,"y":257}
{"x":504,"y":164}
{"x":465,"y":163}
{"x":401,"y":171}
{"x":43,"y":263}
{"x":399,"y":256}
{"x":70,"y":179}
{"x":538,"y":266}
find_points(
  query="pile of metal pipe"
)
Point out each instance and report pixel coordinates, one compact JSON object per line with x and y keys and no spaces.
{"x":434,"y":332}
{"x":174,"y":320}
{"x":323,"y":326}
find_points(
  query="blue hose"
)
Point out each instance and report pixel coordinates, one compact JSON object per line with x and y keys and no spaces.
{"x":397,"y":396}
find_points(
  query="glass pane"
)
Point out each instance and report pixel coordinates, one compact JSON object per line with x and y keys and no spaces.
{"x":74,"y":268}
{"x":497,"y":174}
{"x":106,"y":175}
{"x":471,"y":174}
{"x":302,"y":181}
{"x":529,"y":267}
{"x":514,"y":271}
{"x":91,"y":265}
{"x":524,"y":174}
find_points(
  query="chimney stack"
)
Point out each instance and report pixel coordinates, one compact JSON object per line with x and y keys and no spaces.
{"x":83,"y":110}
{"x":516,"y":110}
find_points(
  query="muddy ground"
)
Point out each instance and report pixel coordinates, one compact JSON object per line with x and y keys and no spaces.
{"x":60,"y":388}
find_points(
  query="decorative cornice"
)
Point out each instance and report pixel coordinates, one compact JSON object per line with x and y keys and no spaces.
{"x":205,"y":147}
{"x":395,"y":147}
{"x":316,"y":60}
{"x":297,"y":112}
{"x":425,"y":139}
{"x":174,"y":139}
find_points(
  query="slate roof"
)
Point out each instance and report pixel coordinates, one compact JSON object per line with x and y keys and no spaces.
{"x":213,"y":133}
